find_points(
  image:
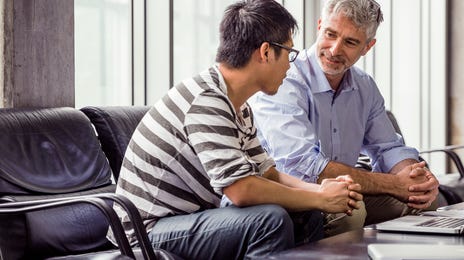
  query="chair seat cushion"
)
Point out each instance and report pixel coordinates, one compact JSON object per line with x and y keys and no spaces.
{"x":58,"y":231}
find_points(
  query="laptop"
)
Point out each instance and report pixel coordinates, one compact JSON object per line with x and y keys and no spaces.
{"x":446,"y":220}
{"x":394,"y":251}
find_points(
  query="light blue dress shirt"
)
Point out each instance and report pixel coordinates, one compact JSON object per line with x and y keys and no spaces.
{"x":306,"y":125}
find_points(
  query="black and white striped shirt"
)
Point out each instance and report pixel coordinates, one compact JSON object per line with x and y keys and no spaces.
{"x":186,"y":149}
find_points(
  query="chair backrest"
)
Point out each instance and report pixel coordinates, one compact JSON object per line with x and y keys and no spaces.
{"x":394,"y":122}
{"x":115,"y":126}
{"x":45,"y":153}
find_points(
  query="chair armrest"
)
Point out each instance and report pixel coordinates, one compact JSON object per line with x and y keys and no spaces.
{"x":126,"y":204}
{"x":136,"y":220}
{"x":454,"y":147}
{"x":140,"y":231}
{"x":107,"y":210}
{"x":452,"y":155}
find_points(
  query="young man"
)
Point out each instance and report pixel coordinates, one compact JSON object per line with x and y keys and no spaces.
{"x":199,"y":143}
{"x":327,"y":112}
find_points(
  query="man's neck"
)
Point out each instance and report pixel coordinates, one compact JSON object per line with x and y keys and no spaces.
{"x":334,"y":81}
{"x":239,"y":83}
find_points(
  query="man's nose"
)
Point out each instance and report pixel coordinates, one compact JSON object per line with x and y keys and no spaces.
{"x":336,"y":47}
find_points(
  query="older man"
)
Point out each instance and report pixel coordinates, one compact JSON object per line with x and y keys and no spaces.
{"x":327,"y":112}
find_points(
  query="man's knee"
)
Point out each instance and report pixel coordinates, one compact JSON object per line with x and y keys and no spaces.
{"x":273,"y":225}
{"x":276,"y":217}
{"x":340,"y":223}
{"x":381,"y":208}
{"x":308,"y":226}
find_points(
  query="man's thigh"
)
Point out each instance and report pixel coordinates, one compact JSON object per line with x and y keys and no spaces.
{"x":225,"y":233}
{"x":381,"y":208}
{"x":337,"y":223}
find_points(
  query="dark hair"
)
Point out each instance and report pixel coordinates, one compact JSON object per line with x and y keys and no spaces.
{"x":249,"y":23}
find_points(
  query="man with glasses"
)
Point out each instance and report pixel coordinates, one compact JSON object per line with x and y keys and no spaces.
{"x":327,"y":112}
{"x":199,"y":142}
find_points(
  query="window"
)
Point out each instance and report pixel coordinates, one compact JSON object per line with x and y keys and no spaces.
{"x":124,"y":59}
{"x":196,"y":35}
{"x":103,"y":52}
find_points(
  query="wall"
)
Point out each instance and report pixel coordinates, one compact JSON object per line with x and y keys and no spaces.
{"x":37,"y":53}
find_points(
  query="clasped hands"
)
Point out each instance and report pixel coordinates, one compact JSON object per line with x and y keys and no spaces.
{"x":343,"y":194}
{"x":420,"y":185}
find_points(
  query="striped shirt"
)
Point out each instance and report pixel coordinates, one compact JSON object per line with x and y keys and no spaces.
{"x":186,"y":149}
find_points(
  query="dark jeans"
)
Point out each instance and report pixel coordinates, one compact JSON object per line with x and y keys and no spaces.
{"x":235,"y":233}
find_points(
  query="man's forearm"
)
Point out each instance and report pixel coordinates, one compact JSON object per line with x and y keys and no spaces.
{"x":255,"y":190}
{"x":371,"y":183}
{"x":288,"y":180}
{"x":399,"y":166}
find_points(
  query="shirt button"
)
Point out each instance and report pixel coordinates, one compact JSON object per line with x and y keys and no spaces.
{"x":335,"y":130}
{"x":335,"y":158}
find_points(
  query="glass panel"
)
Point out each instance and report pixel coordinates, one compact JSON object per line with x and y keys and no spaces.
{"x":196,"y":35}
{"x":103,"y":52}
{"x":158,"y":50}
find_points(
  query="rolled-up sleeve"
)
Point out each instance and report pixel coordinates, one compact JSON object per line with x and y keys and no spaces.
{"x":383,"y":145}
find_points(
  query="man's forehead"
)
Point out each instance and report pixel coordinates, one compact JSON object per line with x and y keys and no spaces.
{"x":340,"y":23}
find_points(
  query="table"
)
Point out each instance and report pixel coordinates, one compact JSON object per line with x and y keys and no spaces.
{"x":353,"y":244}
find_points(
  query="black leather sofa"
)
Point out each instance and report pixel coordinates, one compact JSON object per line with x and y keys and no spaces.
{"x":57,"y":186}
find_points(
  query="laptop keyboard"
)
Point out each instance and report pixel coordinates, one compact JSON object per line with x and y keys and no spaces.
{"x":443,"y":222}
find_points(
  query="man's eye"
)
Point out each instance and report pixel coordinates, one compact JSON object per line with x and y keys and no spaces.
{"x":330,"y":34}
{"x":351,"y":43}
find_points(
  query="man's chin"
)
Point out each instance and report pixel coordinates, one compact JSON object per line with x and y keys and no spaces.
{"x":333,"y":71}
{"x":270,"y":92}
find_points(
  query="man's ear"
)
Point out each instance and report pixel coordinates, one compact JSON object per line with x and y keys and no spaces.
{"x":319,"y":24}
{"x":369,"y":46}
{"x":264,"y":52}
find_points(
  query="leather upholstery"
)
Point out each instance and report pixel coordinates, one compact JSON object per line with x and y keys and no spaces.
{"x":40,"y":149}
{"x":115,"y":125}
{"x":45,"y":153}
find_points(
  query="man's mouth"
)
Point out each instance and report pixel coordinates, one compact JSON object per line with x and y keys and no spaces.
{"x":332,"y":59}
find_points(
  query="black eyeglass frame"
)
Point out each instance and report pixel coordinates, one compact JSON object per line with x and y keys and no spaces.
{"x":290,"y":50}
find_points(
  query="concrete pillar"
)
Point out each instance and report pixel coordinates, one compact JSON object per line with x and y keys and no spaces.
{"x":37,"y":53}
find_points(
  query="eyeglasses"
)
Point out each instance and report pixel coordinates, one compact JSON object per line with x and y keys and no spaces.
{"x":292,"y":53}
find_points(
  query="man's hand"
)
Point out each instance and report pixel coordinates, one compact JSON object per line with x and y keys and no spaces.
{"x":341,"y":195}
{"x":423,"y":194}
{"x":416,"y":186}
{"x":409,"y":175}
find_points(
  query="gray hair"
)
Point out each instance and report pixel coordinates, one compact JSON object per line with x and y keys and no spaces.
{"x":364,"y":14}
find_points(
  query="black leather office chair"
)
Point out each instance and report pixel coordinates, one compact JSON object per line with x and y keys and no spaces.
{"x":56,"y":190}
